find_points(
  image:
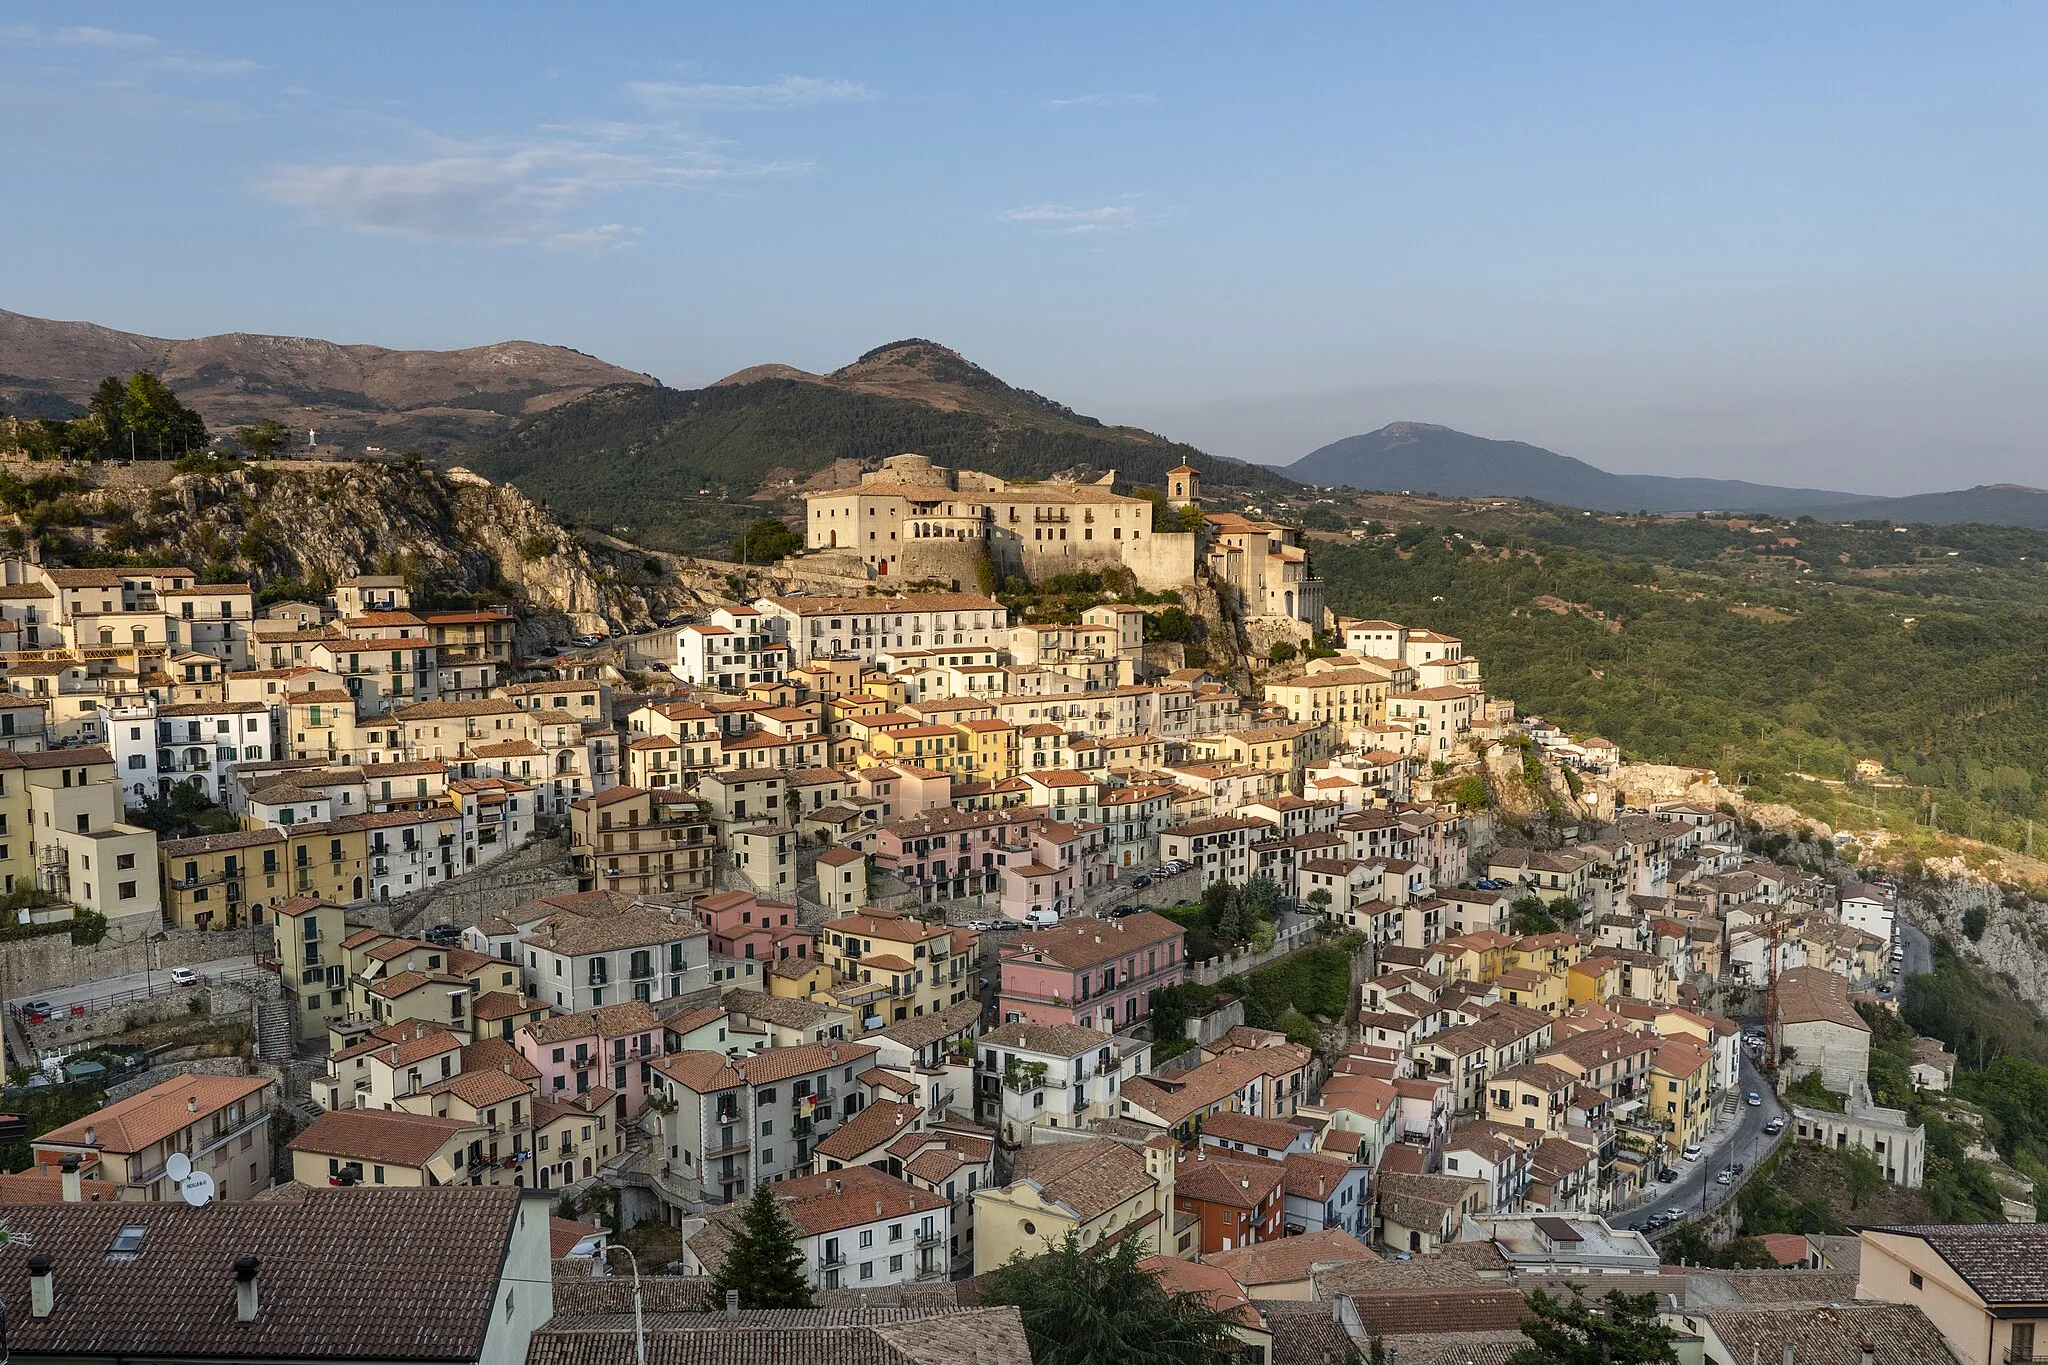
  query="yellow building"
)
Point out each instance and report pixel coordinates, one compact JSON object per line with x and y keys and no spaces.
{"x":892,"y":965}
{"x":16,"y":862}
{"x":1547,"y":952}
{"x":1681,"y":1080}
{"x":1346,"y":696}
{"x":991,"y":749}
{"x":211,"y":882}
{"x":942,"y":748}
{"x":1532,"y":1095}
{"x":386,"y":1147}
{"x":306,"y":935}
{"x":1593,"y":980}
{"x":797,"y":978}
{"x":322,"y":725}
{"x":1094,"y":1188}
{"x":1532,"y":989}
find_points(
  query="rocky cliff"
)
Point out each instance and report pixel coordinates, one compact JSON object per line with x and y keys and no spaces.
{"x":297,"y":528}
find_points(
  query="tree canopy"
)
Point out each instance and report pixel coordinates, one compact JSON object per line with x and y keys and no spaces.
{"x":1103,"y":1308}
{"x":765,"y":1263}
{"x":1620,"y":1329}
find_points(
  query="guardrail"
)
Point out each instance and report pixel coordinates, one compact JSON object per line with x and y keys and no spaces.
{"x":162,"y":985}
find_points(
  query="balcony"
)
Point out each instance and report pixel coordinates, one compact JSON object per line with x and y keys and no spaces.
{"x":732,"y":1148}
{"x":929,"y":1237}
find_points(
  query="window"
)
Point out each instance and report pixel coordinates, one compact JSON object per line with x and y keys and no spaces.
{"x":867,"y":1238}
{"x":1913,"y":1277}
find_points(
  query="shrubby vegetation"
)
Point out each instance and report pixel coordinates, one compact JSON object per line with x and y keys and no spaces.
{"x":1683,"y":643}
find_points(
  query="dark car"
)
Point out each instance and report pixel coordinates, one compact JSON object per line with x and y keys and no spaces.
{"x":1123,"y":910}
{"x":1668,"y":1175}
{"x":1141,"y":881}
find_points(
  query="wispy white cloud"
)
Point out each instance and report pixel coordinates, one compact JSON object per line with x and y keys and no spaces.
{"x":185,"y":64}
{"x":1100,"y":100}
{"x":788,"y":92}
{"x":1121,"y":216}
{"x":518,"y":192}
{"x":30,"y":35}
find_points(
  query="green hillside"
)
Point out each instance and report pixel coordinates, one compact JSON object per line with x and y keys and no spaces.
{"x":669,"y":466}
{"x":1690,"y":642}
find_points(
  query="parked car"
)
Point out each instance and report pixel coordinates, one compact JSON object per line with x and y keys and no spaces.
{"x":1123,"y":910}
{"x":1725,"y":1178}
{"x":36,"y":1011}
{"x":1775,"y":1127}
{"x":1693,"y":1151}
{"x":1668,"y":1174}
{"x":1141,"y":880}
{"x":1753,"y":1099}
{"x":1039,"y":919}
{"x":1673,"y":1215}
{"x":184,"y":976}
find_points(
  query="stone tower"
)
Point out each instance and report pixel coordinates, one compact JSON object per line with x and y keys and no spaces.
{"x":1183,"y":486}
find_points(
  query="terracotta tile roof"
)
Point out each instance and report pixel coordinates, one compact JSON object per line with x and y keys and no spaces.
{"x":1275,"y":1135}
{"x":606,"y":1021}
{"x":1056,"y":1040}
{"x":319,"y":1252}
{"x":1089,"y":1177}
{"x":878,"y":1124}
{"x":1399,"y":1311}
{"x":495,"y":1054}
{"x":910,"y":1335}
{"x":2005,"y":1263}
{"x":1808,"y":995}
{"x":1087,"y":943}
{"x":777,"y":1009}
{"x":480,"y":1088}
{"x":384,"y":1136}
{"x":707,"y":1071}
{"x":1831,"y":1333}
{"x":849,"y":1197}
{"x":1290,"y":1258}
{"x":149,"y":1116}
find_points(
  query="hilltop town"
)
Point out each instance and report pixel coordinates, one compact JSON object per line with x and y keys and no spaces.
{"x":1037,"y":861}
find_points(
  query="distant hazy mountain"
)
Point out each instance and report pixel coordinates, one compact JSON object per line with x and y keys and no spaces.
{"x":1992,"y":504}
{"x":1419,"y":457}
{"x":353,"y":395}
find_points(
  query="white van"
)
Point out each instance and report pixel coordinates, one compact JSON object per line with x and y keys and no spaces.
{"x":1039,"y":919}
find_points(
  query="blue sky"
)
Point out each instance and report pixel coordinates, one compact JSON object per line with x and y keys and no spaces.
{"x":1800,"y":247}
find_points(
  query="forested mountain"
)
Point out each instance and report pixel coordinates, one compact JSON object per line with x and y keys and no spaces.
{"x":1421,"y":457}
{"x":353,"y":395}
{"x":662,"y":463}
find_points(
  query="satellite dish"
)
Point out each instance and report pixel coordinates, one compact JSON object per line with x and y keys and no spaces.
{"x":197,"y":1188}
{"x":177,"y":1165}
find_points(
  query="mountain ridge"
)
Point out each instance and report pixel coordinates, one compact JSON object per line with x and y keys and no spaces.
{"x":357,"y":392}
{"x":1425,"y":455}
{"x":667,"y":464}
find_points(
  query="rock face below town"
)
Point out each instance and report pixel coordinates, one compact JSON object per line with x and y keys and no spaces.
{"x":303,"y":526}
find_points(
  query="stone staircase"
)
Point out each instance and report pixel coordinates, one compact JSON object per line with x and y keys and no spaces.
{"x":273,"y":1030}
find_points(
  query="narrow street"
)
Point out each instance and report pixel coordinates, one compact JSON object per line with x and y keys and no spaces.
{"x":1744,"y":1140}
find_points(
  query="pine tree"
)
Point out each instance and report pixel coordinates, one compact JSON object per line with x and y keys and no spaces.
{"x":765,"y":1264}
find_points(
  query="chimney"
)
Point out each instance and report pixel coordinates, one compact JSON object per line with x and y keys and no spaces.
{"x":69,"y":1166}
{"x":191,"y":1104}
{"x":247,"y":1300}
{"x":42,"y":1285}
{"x":1789,"y":1358}
{"x":88,"y":1135}
{"x":1869,"y":1353}
{"x":732,"y":1303}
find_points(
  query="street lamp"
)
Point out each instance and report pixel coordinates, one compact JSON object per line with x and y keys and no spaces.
{"x":639,"y":1322}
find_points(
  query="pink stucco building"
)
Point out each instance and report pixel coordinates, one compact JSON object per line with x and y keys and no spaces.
{"x":1064,"y":862}
{"x":743,"y":924}
{"x":1096,"y":973}
{"x":611,"y":1047}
